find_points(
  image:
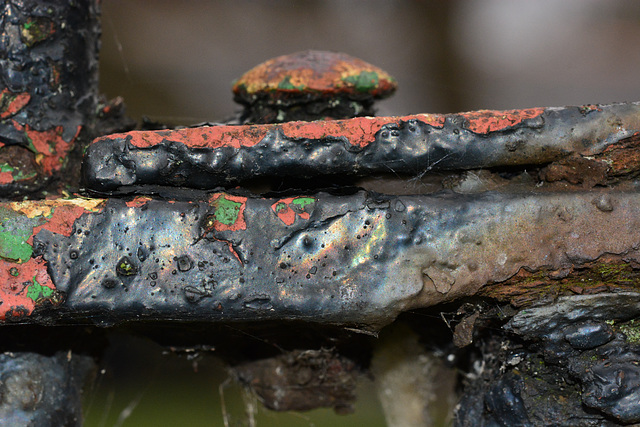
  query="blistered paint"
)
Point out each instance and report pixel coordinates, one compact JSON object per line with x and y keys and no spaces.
{"x":25,"y":282}
{"x":316,"y":72}
{"x":413,"y":145}
{"x":11,"y":103}
{"x":36,"y":30}
{"x":136,"y":202}
{"x":5,"y":174}
{"x":358,"y":259}
{"x":49,"y":146}
{"x":228,"y":212}
{"x":487,"y":121}
{"x":359,"y":131}
{"x":23,"y":286}
{"x":288,"y":209}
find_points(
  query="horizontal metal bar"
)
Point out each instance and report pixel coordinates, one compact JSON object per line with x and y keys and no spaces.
{"x":212,"y":156}
{"x":351,"y":260}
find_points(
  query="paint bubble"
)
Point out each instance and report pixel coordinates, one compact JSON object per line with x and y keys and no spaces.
{"x":262,"y":302}
{"x":109,"y":283}
{"x":184,"y":263}
{"x":140,"y":253}
{"x":195,"y":294}
{"x":604,"y":203}
{"x":125,"y":267}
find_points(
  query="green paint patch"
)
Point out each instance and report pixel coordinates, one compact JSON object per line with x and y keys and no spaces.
{"x":285,"y":84}
{"x":36,"y":291}
{"x":280,"y":207}
{"x":17,"y":174}
{"x":227,"y":211}
{"x":364,"y":82}
{"x":125,"y":267}
{"x":303,"y":201}
{"x":36,"y":30}
{"x":15,"y":230}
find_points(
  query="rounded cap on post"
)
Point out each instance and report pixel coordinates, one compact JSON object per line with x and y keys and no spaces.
{"x":311,"y":85}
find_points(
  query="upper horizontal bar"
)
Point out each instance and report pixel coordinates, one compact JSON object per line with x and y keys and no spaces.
{"x":212,"y":156}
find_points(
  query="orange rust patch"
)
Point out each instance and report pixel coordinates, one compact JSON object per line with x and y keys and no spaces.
{"x":49,"y":146}
{"x":11,"y":103}
{"x":6,"y":178}
{"x":623,"y":157}
{"x":200,"y":137}
{"x":314,"y":72}
{"x":283,"y":208}
{"x":15,"y":280}
{"x":486,"y":121}
{"x":61,"y":221}
{"x":359,"y":131}
{"x":58,"y":214}
{"x":138,"y":201}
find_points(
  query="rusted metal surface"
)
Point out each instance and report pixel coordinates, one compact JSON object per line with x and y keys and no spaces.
{"x":603,"y":137}
{"x":302,"y":380}
{"x":573,"y":359}
{"x":39,"y":390}
{"x":48,"y":84}
{"x":355,"y":260}
{"x":310,"y":85}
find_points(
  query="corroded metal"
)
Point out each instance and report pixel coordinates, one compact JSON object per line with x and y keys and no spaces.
{"x":355,"y":260}
{"x":48,"y":87}
{"x":40,"y":390}
{"x":603,"y":136}
{"x":310,"y":85}
{"x":579,"y":361}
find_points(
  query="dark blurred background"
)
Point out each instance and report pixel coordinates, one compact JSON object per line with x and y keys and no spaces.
{"x":174,"y":62}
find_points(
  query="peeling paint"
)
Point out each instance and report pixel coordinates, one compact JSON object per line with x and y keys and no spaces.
{"x":49,"y":146}
{"x":11,"y":103}
{"x":290,"y":208}
{"x":411,"y":145}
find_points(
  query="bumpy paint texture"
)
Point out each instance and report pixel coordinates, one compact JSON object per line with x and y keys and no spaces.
{"x":213,"y":156}
{"x":48,"y":91}
{"x":25,"y":282}
{"x":359,"y":259}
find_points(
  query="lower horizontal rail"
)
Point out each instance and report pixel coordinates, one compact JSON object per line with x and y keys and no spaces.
{"x":353,"y":260}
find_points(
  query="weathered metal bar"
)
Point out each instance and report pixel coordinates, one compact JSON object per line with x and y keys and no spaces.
{"x":208,"y":157}
{"x":352,"y":260}
{"x":48,"y":87}
{"x":42,"y":390}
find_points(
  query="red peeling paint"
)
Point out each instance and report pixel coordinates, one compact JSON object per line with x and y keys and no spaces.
{"x":314,"y":72}
{"x":359,"y":131}
{"x":12,"y":103}
{"x":283,"y":208}
{"x":138,"y":201}
{"x":15,"y":280}
{"x":487,"y":121}
{"x":50,"y":148}
{"x":6,"y":178}
{"x":239,"y":223}
{"x":200,"y":137}
{"x":61,"y":221}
